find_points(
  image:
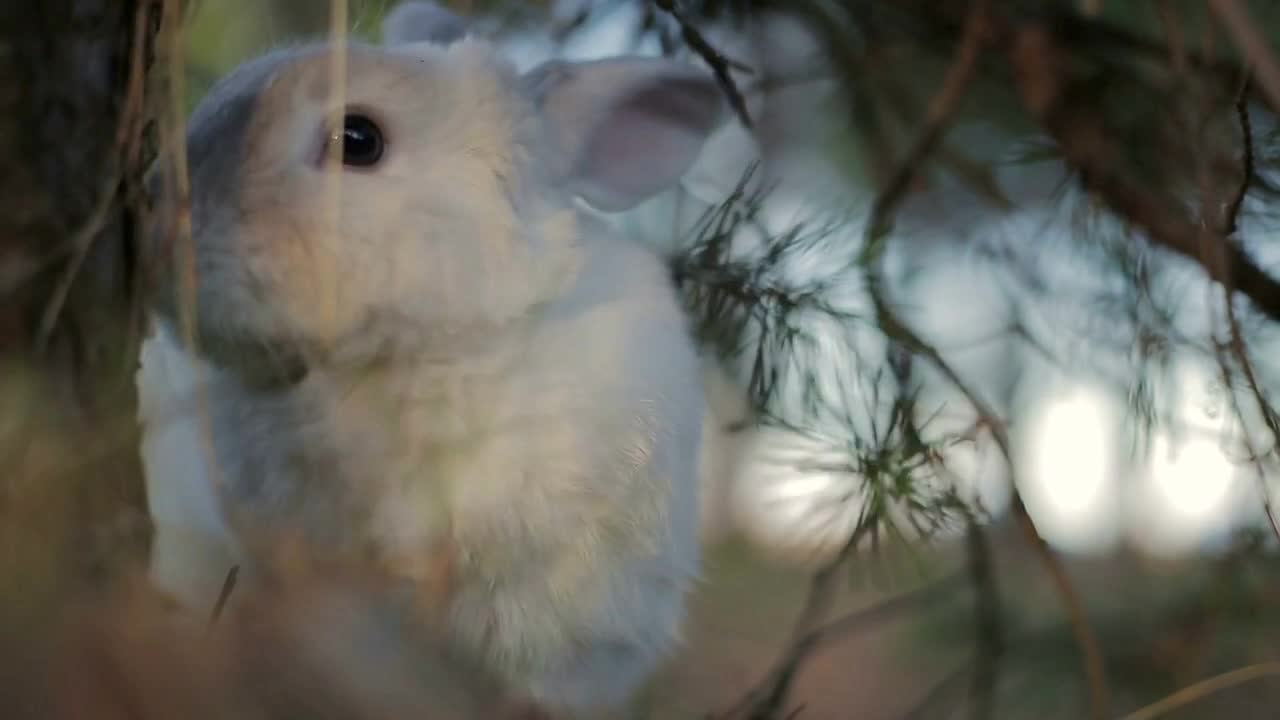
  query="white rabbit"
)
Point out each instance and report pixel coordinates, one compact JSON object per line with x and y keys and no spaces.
{"x":455,"y":359}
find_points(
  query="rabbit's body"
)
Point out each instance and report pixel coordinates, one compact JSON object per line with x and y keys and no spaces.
{"x":455,"y":366}
{"x":522,"y":459}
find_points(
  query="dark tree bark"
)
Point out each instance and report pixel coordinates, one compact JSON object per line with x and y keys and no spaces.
{"x":75,"y":109}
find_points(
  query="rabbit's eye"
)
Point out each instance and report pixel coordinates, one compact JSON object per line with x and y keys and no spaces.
{"x":362,"y":141}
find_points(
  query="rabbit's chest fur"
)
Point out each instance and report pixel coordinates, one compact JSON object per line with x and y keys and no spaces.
{"x":560,"y":473}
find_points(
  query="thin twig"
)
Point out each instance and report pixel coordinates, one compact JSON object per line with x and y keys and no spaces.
{"x":1204,"y":688}
{"x":938,"y":116}
{"x":941,"y":110}
{"x":859,"y":619}
{"x":988,"y":627}
{"x":1235,"y":346}
{"x":718,"y":62}
{"x":1086,"y":639}
{"x":81,"y":243}
{"x":899,"y":331}
{"x":1232,"y":223}
{"x":184,"y":260}
{"x":762,"y":701}
{"x":228,"y":584}
{"x":1239,"y":351}
{"x":766,"y":700}
{"x":1239,"y":348}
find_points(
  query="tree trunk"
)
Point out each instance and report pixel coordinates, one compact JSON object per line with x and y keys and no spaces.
{"x":75,"y":108}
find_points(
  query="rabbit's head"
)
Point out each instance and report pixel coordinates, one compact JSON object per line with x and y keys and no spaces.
{"x":422,"y":203}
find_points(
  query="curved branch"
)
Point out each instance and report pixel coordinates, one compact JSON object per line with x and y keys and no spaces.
{"x":1080,"y":134}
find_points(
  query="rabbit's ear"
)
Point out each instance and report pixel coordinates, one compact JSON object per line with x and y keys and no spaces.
{"x":624,"y":129}
{"x":412,"y":22}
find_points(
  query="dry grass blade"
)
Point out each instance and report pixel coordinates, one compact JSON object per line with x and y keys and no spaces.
{"x":1203,"y":689}
{"x":338,"y":17}
{"x":126,"y":139}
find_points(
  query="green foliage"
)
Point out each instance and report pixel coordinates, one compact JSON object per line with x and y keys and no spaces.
{"x":223,"y":33}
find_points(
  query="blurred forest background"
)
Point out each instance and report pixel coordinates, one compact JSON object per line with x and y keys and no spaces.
{"x":998,"y":281}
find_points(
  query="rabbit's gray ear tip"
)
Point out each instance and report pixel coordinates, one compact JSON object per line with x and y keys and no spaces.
{"x":421,"y":21}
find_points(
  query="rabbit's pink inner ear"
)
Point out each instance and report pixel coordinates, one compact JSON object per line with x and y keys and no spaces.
{"x":415,"y":21}
{"x":630,"y":127}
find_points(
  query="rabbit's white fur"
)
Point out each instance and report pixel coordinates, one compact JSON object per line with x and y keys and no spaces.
{"x":485,"y":369}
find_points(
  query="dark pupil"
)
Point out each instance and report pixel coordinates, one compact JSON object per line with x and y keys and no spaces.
{"x":361,"y":141}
